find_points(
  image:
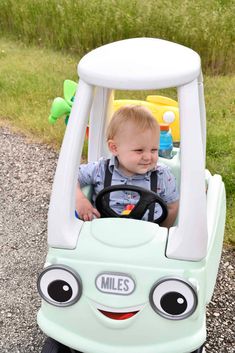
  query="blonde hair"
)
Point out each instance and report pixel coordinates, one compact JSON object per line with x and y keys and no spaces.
{"x":137,"y":115}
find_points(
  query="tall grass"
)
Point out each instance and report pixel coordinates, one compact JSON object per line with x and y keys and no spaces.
{"x":80,"y":25}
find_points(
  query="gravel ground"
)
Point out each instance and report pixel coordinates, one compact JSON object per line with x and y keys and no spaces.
{"x":26,"y":174}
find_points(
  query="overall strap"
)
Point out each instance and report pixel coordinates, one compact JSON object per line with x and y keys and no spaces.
{"x":107,"y":179}
{"x":153,"y":186}
{"x":108,"y":175}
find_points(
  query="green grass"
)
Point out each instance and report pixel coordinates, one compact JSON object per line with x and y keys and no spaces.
{"x":31,"y":78}
{"x":78,"y":26}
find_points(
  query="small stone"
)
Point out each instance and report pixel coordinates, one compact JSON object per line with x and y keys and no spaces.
{"x":216,"y":314}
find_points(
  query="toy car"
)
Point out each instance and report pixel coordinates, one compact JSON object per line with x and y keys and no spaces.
{"x":118,"y":284}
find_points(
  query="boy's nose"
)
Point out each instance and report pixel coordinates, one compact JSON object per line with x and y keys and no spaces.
{"x":146,"y":156}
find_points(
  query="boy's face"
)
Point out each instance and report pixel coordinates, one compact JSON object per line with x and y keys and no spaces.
{"x":137,"y":151}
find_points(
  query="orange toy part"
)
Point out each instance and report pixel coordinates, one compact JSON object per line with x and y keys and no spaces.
{"x":127,"y":209}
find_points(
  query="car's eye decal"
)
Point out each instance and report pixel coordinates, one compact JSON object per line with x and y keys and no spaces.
{"x":173,"y":298}
{"x":60,"y":291}
{"x":59,"y":285}
{"x":168,"y":117}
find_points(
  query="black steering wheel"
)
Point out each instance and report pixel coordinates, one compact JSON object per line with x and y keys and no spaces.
{"x":147,"y":198}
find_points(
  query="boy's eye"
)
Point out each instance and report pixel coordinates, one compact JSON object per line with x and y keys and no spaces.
{"x":138,"y":151}
{"x":154,"y":150}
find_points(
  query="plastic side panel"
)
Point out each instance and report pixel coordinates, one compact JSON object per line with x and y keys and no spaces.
{"x":63,"y":227}
{"x":173,"y":164}
{"x":216,"y":209}
{"x":188,"y":241}
{"x":87,"y":191}
{"x":101,"y":112}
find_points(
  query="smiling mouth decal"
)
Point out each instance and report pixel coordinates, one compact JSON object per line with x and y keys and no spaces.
{"x":118,"y":316}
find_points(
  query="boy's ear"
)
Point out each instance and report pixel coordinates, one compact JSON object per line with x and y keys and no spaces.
{"x":112,"y":147}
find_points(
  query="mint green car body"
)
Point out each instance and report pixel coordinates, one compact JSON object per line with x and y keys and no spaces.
{"x":119,"y":266}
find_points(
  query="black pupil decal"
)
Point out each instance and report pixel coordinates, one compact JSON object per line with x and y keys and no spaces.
{"x":173,"y":303}
{"x":60,"y":291}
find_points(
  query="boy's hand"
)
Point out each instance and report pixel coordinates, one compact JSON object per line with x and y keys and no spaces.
{"x":85,"y":209}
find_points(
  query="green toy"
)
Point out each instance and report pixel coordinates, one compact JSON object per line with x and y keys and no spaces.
{"x":63,"y":106}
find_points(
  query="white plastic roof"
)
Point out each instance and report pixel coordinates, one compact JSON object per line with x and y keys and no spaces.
{"x":140,"y":63}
